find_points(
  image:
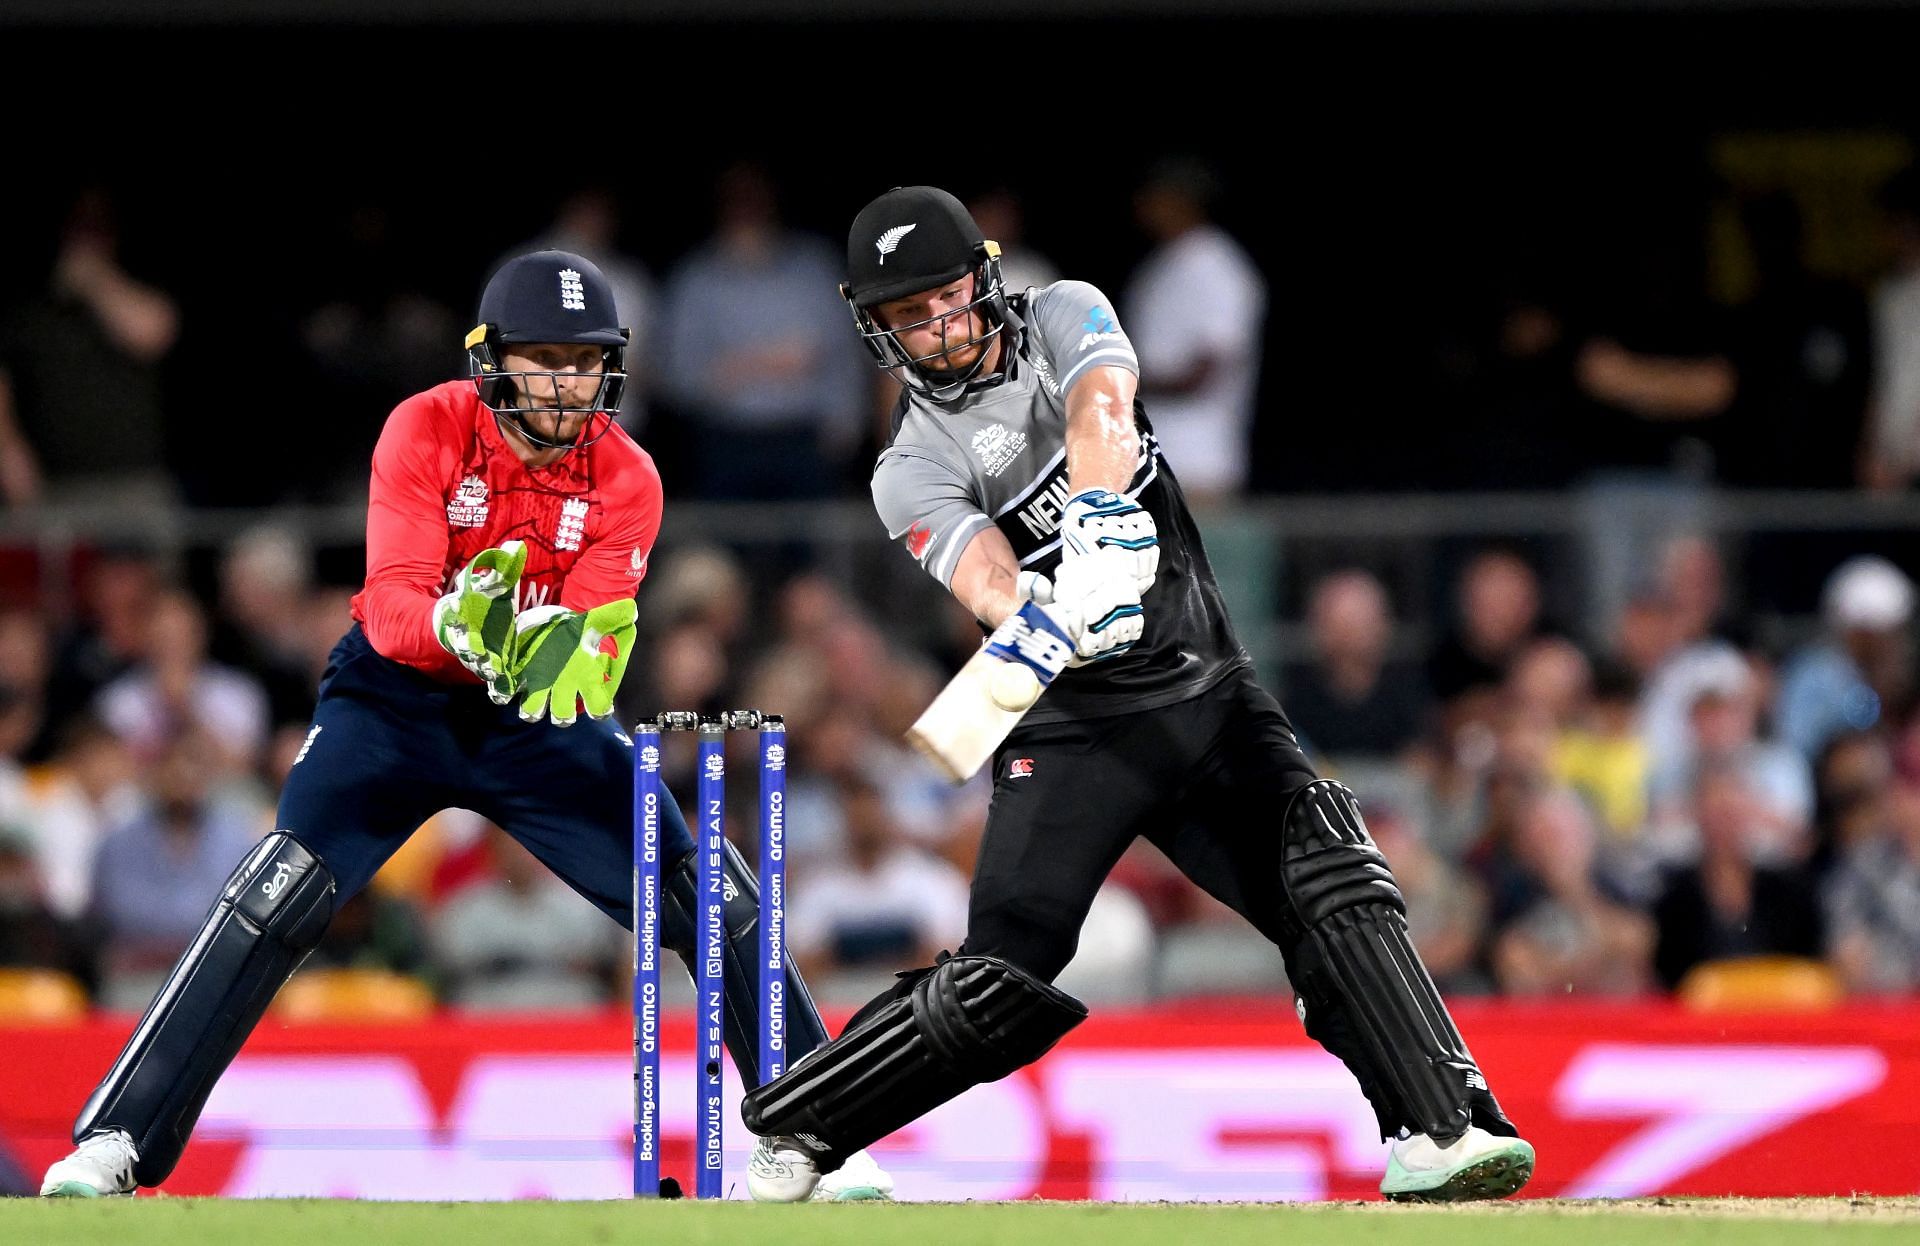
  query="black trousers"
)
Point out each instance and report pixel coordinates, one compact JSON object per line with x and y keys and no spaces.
{"x":1207,"y":781}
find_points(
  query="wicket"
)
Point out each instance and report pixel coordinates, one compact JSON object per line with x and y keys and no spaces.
{"x":710,"y":919}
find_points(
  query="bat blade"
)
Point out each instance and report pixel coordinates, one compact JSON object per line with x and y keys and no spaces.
{"x":965,"y":723}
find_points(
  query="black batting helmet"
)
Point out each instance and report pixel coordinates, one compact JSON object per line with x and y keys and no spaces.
{"x":916,"y":238}
{"x":547,"y":296}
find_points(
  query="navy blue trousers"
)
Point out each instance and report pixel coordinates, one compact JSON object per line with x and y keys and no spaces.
{"x":389,"y":748}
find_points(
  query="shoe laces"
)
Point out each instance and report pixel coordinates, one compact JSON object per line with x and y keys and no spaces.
{"x":113,"y":1147}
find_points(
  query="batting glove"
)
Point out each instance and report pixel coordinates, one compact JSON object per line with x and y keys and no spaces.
{"x":1100,"y":603}
{"x":566,"y":660}
{"x":1036,"y":636}
{"x":1097,"y":521}
{"x":474,"y":622}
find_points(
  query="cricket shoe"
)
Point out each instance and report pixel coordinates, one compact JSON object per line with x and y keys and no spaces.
{"x":778,"y":1171}
{"x":100,"y":1167}
{"x":859,"y":1180}
{"x":1475,"y":1165}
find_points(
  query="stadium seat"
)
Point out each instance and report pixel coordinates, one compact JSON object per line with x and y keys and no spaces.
{"x":40,"y":996}
{"x":1760,"y":982}
{"x":352,"y":995}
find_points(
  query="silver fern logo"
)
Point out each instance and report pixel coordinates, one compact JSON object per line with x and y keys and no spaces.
{"x":890,"y":241}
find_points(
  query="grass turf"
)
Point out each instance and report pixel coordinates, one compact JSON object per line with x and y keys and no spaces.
{"x":312,"y":1222}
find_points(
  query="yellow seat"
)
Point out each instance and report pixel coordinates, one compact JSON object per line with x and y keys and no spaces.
{"x":1761,"y":982}
{"x":352,"y":995}
{"x":40,"y":996}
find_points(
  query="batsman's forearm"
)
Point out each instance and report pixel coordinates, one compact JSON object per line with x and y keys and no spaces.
{"x":986,"y":580}
{"x":996,"y":602}
{"x":1103,"y":447}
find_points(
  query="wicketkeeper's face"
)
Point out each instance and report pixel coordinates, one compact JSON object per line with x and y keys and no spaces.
{"x":555,"y":384}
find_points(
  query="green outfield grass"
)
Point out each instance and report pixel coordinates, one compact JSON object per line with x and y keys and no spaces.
{"x":313,"y":1222}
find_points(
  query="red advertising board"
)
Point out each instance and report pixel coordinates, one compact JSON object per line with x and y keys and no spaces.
{"x":1208,"y":1101}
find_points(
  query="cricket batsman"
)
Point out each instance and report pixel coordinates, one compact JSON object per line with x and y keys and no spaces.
{"x":1024,"y":476}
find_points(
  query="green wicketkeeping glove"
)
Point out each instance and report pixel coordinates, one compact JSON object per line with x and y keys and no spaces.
{"x":564,"y":660}
{"x":474,"y":622}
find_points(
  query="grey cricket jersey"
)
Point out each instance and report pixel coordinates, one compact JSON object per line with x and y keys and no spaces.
{"x":997,"y":455}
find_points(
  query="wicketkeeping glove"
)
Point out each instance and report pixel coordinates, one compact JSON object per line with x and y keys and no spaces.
{"x":474,"y":622}
{"x":565,"y":660}
{"x":1097,"y":521}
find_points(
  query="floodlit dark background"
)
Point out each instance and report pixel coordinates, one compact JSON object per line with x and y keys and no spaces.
{"x":1527,"y":622}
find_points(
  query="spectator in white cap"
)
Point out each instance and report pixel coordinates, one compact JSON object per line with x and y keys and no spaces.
{"x":1723,"y":701}
{"x":1863,"y":660}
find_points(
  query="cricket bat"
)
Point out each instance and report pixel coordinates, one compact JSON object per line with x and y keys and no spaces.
{"x":975,"y":711}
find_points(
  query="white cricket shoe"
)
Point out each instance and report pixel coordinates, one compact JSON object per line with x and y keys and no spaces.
{"x":1475,"y":1165}
{"x":859,"y":1180}
{"x":100,"y":1167}
{"x":780,"y":1172}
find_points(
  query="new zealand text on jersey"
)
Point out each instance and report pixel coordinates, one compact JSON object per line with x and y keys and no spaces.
{"x":1042,"y":515}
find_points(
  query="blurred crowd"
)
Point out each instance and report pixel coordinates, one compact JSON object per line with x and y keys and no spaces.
{"x":1565,"y":816}
{"x":1608,"y":370}
{"x":1598,"y":805}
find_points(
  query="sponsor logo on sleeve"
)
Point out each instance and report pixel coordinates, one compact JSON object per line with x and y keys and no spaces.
{"x":1020,"y":768}
{"x":637,"y":564}
{"x":918,"y":538}
{"x":1099,"y":327}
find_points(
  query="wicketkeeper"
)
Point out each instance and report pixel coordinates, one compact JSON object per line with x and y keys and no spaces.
{"x":509,"y":524}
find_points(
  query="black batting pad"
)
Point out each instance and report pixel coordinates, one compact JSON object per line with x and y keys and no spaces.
{"x":972,"y":1019}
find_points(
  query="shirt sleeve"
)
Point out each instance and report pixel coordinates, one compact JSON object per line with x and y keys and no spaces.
{"x":1078,"y":330}
{"x":407,"y":537}
{"x":928,"y":508}
{"x":612,"y":565}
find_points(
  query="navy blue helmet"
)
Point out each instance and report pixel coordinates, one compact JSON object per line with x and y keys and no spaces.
{"x":547,"y":296}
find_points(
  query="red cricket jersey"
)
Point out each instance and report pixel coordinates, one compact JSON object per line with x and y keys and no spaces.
{"x":446,"y":486}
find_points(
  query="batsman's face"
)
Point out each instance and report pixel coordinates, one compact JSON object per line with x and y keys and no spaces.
{"x":936,"y":327}
{"x":548,"y":376}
